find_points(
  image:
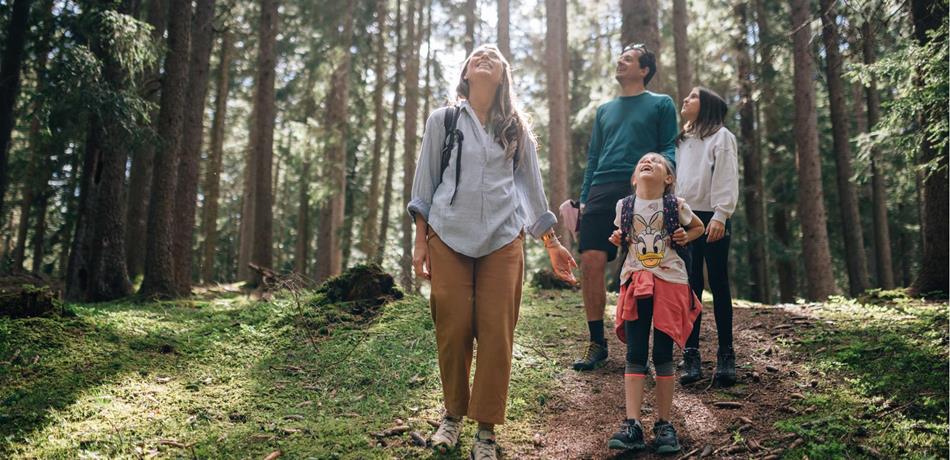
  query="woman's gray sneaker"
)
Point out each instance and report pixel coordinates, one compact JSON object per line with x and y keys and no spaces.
{"x":664,"y":438}
{"x":484,"y":447}
{"x":446,"y":438}
{"x":630,"y":437}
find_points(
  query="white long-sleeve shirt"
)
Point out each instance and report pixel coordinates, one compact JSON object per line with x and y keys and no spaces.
{"x":707,"y":173}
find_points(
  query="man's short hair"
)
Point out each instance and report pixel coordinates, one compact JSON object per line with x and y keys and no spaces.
{"x":647,"y":59}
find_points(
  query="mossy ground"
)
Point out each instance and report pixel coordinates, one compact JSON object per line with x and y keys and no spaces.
{"x":231,"y":378}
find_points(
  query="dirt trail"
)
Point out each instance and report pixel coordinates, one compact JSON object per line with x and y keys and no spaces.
{"x":590,"y":407}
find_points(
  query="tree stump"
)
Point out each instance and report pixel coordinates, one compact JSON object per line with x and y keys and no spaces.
{"x":25,"y":295}
{"x":362,"y":284}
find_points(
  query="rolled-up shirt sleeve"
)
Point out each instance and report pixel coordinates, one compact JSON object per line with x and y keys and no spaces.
{"x":538,"y":219}
{"x":428,"y":166}
{"x":724,"y":189}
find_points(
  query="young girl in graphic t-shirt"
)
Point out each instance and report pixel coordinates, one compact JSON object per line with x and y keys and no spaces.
{"x":654,"y":294}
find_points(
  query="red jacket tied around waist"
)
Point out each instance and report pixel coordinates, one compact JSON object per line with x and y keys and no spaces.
{"x":675,"y":306}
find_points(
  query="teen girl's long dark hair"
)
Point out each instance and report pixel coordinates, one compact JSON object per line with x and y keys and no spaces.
{"x":712,"y":115}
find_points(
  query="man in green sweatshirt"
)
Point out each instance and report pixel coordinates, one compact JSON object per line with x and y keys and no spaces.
{"x":629,"y":126}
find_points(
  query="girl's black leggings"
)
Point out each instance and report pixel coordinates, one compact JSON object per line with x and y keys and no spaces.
{"x":716,"y":255}
{"x":638,"y":343}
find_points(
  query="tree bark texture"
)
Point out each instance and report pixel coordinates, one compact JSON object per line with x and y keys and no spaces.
{"x":410,"y":136}
{"x":212,"y":179}
{"x":557,"y":72}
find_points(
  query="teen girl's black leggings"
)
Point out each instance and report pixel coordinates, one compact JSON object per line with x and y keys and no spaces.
{"x":716,"y":255}
{"x":638,"y":343}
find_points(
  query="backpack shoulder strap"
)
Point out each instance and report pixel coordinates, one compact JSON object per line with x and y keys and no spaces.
{"x":671,"y":218}
{"x":450,"y":123}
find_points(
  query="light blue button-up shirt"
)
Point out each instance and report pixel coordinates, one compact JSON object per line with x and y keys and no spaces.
{"x":495,"y":201}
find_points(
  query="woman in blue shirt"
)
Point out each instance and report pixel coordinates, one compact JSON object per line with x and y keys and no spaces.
{"x":470,"y":223}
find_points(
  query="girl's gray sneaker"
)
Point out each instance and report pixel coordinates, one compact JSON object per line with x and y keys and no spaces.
{"x":484,"y":447}
{"x":630,"y":437}
{"x":446,"y":438}
{"x":664,"y":438}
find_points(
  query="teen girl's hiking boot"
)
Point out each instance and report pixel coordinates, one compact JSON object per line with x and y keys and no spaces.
{"x":594,"y":357}
{"x":692,"y":366}
{"x":484,"y":447}
{"x":725,"y":368}
{"x":446,"y":437}
{"x":630,"y":437}
{"x":664,"y":438}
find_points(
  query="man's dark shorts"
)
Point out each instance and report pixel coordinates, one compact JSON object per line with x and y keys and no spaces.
{"x":597,"y":222}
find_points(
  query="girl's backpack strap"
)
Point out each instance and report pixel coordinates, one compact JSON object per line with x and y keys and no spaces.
{"x":671,"y":217}
{"x":626,"y":219}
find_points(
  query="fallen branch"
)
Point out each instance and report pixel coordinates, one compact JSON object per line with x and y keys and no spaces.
{"x":728,"y":404}
{"x":396,"y":430}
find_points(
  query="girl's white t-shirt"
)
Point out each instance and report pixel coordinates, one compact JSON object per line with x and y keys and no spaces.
{"x":651,"y":246}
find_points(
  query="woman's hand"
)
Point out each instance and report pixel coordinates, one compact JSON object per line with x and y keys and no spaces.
{"x":715,"y":232}
{"x":562,"y":263}
{"x":681,"y":237}
{"x":420,"y":260}
{"x":615,"y":237}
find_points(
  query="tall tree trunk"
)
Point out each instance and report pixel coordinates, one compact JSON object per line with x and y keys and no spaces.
{"x":202,"y":40}
{"x":471,"y":16}
{"x":246,"y":230}
{"x":410,"y":135}
{"x":263,"y":148}
{"x":159,"y":280}
{"x":850,"y":218}
{"x":811,"y":204}
{"x":684,"y":77}
{"x":504,"y":25}
{"x":36,"y":176}
{"x":391,"y":144}
{"x":933,"y":276}
{"x":558,"y":129}
{"x":882,"y":234}
{"x":785,"y":259}
{"x":10,"y":63}
{"x":330,"y":254}
{"x":370,"y":232}
{"x":140,"y":173}
{"x":754,"y":189}
{"x":640,"y":24}
{"x":102,"y":272}
{"x":304,"y":229}
{"x":302,"y":245}
{"x":212,"y":182}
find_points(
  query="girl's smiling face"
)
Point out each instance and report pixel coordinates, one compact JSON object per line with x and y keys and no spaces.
{"x":652,"y":167}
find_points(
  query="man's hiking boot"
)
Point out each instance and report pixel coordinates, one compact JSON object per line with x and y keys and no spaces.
{"x":725,"y":368}
{"x":630,"y":437}
{"x":484,"y":447}
{"x":692,"y":366}
{"x":594,"y":357}
{"x":664,"y":438}
{"x":446,"y":437}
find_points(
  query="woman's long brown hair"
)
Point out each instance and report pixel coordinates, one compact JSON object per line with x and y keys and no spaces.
{"x":508,"y":123}
{"x":711,"y":117}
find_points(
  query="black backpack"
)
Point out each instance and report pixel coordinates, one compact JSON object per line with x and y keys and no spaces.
{"x":670,"y":221}
{"x":453,"y":135}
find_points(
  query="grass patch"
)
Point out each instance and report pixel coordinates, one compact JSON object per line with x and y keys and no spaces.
{"x":229,"y":378}
{"x":883,"y":372}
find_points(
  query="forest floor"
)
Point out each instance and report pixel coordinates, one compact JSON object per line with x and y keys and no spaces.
{"x":220,"y":376}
